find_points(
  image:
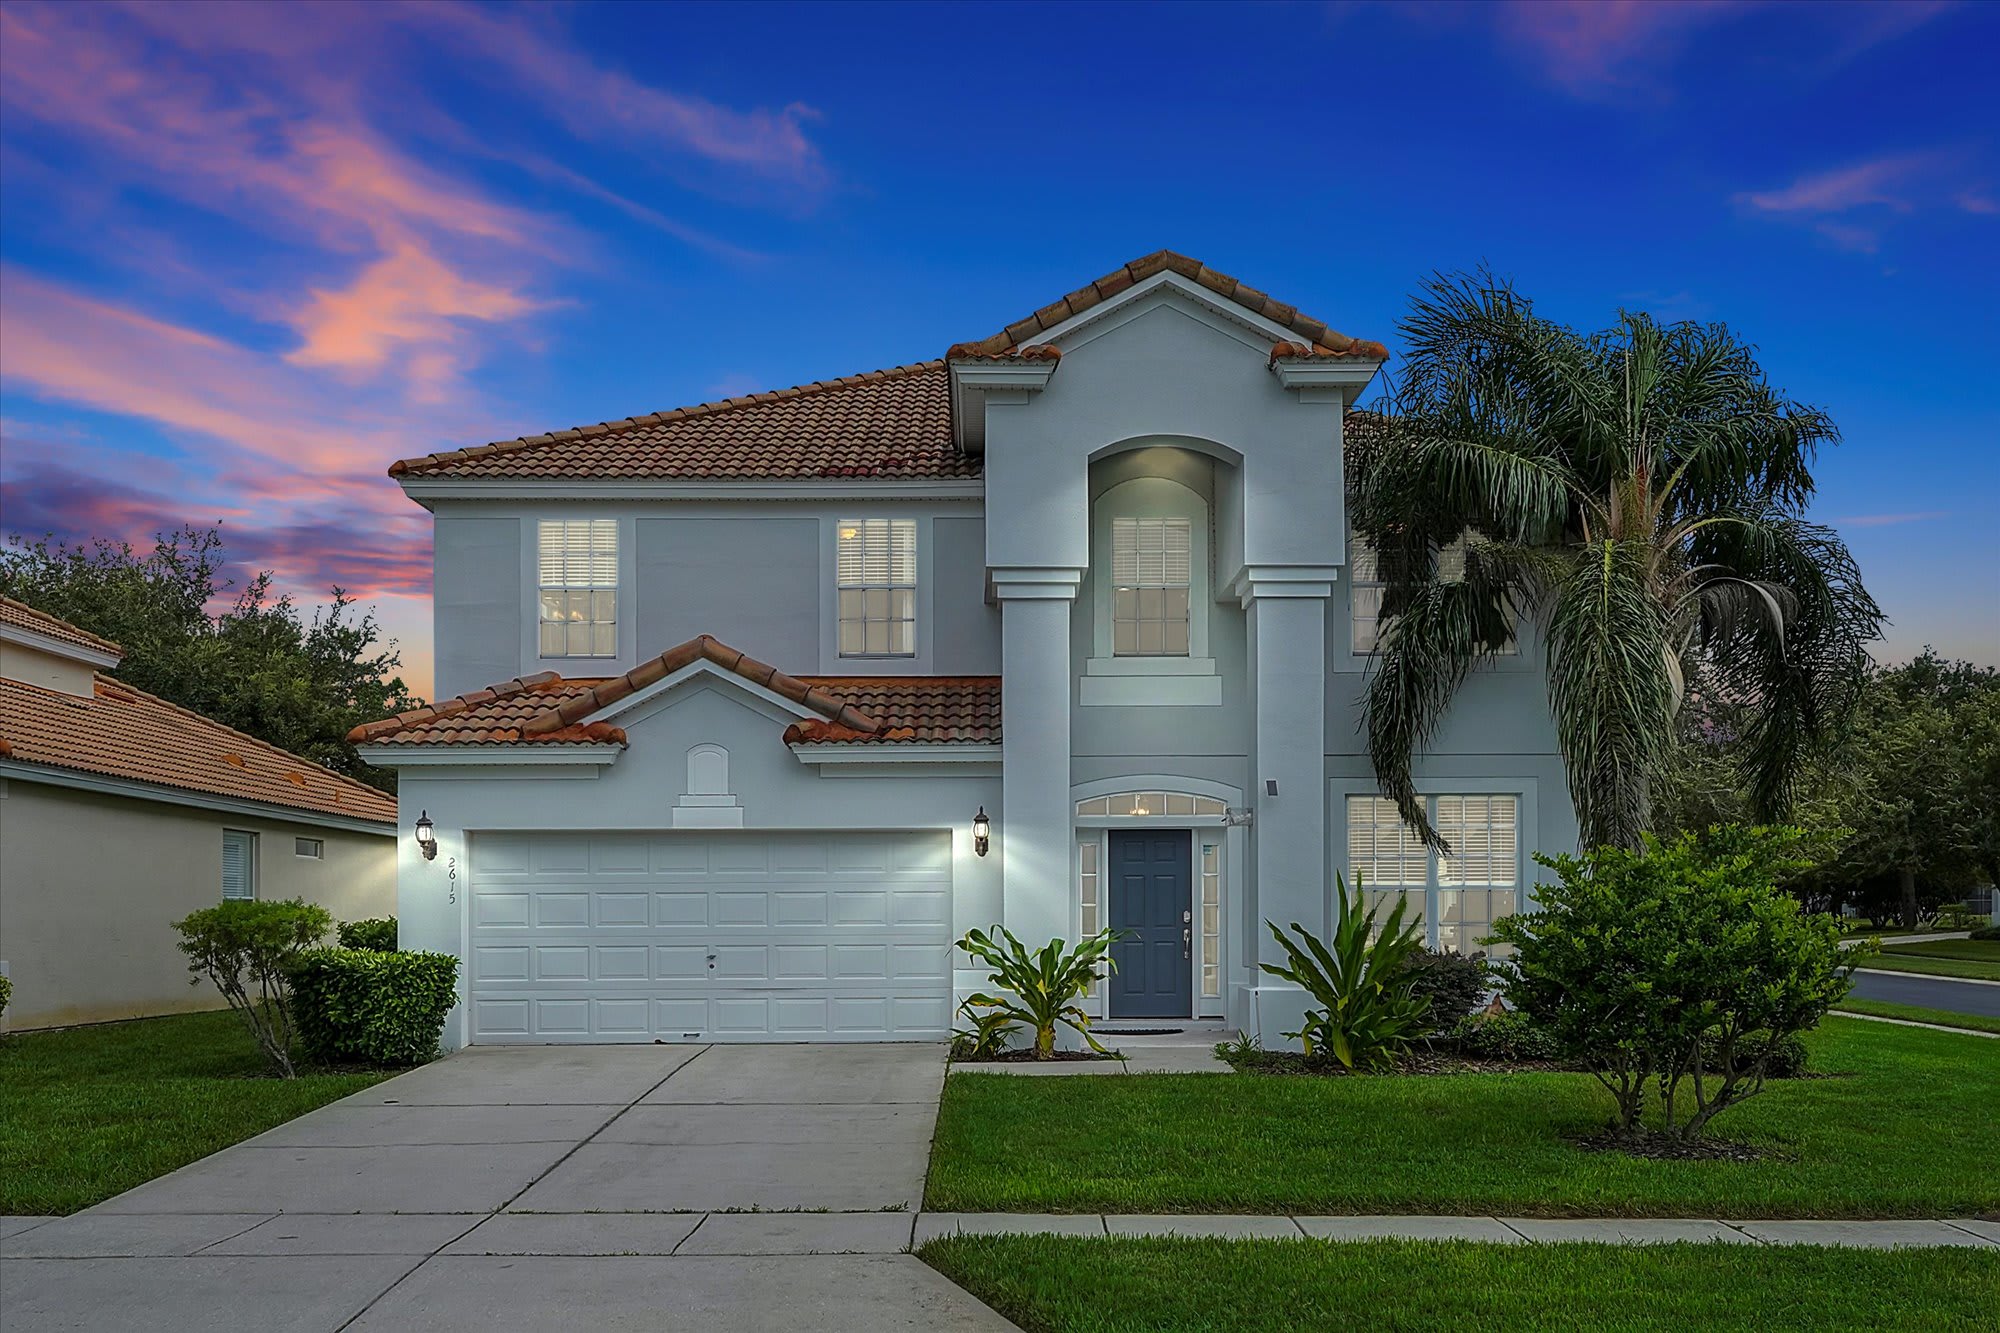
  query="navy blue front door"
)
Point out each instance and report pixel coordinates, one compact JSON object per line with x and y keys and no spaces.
{"x":1152,"y":900}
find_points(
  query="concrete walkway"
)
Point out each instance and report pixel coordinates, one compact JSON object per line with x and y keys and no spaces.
{"x":535,"y":1188}
{"x":1968,"y":1232}
{"x":1959,"y":995}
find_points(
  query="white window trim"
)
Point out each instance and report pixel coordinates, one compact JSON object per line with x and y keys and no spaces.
{"x":914,"y":587}
{"x":831,"y":663}
{"x":531,"y":582}
{"x":318,"y":853}
{"x":249,"y":836}
{"x":1348,"y":657}
{"x":1110,"y":680}
{"x":1527,"y":825}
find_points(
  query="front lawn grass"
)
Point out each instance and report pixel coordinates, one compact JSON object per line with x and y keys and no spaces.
{"x":1476,"y":1144}
{"x":86,"y":1113}
{"x":1055,"y":1284}
{"x":1916,"y":1013}
{"x":1978,"y":959}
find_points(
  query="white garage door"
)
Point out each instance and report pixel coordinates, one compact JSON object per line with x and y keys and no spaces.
{"x":710,"y":936}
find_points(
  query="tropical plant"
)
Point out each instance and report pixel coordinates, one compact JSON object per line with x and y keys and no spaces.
{"x":1368,"y":1012}
{"x":1038,"y":990}
{"x":247,"y":947}
{"x":1683,"y":967}
{"x":1639,"y":496}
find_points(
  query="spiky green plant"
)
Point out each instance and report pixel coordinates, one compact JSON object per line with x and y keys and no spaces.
{"x":1368,"y":1014}
{"x":1639,"y":494}
{"x":1037,"y":990}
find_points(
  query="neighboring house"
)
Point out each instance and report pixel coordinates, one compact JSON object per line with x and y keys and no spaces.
{"x":121,"y":813}
{"x":733,"y":683}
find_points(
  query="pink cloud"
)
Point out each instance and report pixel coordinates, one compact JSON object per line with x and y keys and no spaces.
{"x":1590,"y":46}
{"x":407,"y":298}
{"x":1877,"y":181}
{"x":1850,"y":205}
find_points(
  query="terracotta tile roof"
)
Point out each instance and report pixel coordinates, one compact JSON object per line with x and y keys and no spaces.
{"x":915,"y":710}
{"x":885,"y":423}
{"x":126,"y":733}
{"x":546,"y":709}
{"x":892,"y":424}
{"x":22,"y":616}
{"x":1322,"y":340}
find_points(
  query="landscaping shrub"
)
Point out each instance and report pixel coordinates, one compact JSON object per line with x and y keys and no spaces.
{"x":1455,"y":983}
{"x":1368,"y":1014}
{"x":245,"y":947}
{"x":377,"y":933}
{"x":1509,"y":1036}
{"x":365,"y":1006}
{"x":6,"y":993}
{"x":1040,"y":990}
{"x":1987,"y":933}
{"x":1682,"y":966}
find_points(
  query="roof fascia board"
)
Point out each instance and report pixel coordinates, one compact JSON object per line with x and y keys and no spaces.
{"x":640,"y":698}
{"x":889,"y":754}
{"x":54,"y":647}
{"x":104,"y":785}
{"x":542,"y":753}
{"x":1071,"y":333}
{"x":427,"y":489}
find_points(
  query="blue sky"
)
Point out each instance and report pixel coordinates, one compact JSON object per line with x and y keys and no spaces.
{"x":249,"y":256}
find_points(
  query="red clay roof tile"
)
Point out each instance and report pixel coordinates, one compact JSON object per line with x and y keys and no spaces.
{"x":22,"y":616}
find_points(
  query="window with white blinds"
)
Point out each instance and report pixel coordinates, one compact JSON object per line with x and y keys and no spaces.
{"x":1151,"y":571}
{"x":579,"y":587}
{"x":876,"y":570}
{"x":1364,"y":598}
{"x":1458,"y":895}
{"x":239,"y":865}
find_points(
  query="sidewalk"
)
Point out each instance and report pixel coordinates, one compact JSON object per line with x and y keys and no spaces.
{"x":1875,"y":1235}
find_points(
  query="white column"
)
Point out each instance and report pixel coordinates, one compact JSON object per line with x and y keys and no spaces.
{"x":1035,"y":823}
{"x":1286,"y":624}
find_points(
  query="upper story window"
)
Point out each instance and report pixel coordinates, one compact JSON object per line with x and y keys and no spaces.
{"x":579,"y":587}
{"x":1364,"y":574}
{"x":1151,"y":575}
{"x":876,"y":572}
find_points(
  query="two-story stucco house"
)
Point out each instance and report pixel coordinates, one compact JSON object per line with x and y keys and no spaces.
{"x":759,"y":703}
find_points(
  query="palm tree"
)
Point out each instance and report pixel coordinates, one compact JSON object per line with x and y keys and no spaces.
{"x":1640,"y":495}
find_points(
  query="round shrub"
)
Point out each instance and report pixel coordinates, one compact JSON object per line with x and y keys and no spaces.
{"x":1509,"y":1036}
{"x":1454,"y":983}
{"x":1987,"y":933}
{"x":377,"y":933}
{"x":361,"y":1006}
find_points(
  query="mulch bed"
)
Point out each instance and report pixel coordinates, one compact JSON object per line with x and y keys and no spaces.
{"x":1026,"y":1057}
{"x":1418,"y":1061}
{"x":1672,"y":1148}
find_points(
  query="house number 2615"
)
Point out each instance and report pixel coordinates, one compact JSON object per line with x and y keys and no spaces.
{"x":451,"y":879}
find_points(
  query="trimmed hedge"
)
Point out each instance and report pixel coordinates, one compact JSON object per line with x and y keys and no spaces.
{"x":1987,"y":933}
{"x":1454,"y":983}
{"x":360,"y":1006}
{"x":377,"y":933}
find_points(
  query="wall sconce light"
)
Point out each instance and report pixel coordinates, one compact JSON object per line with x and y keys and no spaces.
{"x":427,"y":838}
{"x":982,"y":831}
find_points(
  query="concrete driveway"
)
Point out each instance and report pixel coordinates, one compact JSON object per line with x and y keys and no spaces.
{"x":658,"y":1187}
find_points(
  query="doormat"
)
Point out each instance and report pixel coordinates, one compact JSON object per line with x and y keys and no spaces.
{"x":1138,"y":1032}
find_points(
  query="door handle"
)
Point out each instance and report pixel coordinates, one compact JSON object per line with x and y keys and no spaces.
{"x":1187,"y":942}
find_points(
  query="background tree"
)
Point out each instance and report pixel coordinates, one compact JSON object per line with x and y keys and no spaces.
{"x":257,"y":665}
{"x":1639,"y":493}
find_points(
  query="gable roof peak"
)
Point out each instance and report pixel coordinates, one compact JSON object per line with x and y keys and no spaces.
{"x":1317,"y":339}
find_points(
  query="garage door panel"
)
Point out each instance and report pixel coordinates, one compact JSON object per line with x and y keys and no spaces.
{"x":609,"y":937}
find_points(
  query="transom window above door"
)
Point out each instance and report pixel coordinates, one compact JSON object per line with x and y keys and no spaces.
{"x":1142,"y":804}
{"x":1151,"y":574}
{"x":876,"y":573}
{"x":578,"y":559}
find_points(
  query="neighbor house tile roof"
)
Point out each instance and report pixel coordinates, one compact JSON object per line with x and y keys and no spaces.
{"x":886,"y":424}
{"x":22,"y":616}
{"x":122,"y":732}
{"x":547,"y":709}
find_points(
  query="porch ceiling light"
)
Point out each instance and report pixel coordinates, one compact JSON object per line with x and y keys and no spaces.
{"x":427,"y":838}
{"x":982,"y":831}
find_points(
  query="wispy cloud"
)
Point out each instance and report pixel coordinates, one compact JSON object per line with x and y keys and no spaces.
{"x":1889,"y":520}
{"x":1852,"y":204}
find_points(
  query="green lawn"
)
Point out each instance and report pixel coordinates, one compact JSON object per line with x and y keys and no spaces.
{"x":1053,"y":1284}
{"x":1916,"y":1013}
{"x":86,"y":1113}
{"x":1979,"y":959}
{"x":1469,"y":1143}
